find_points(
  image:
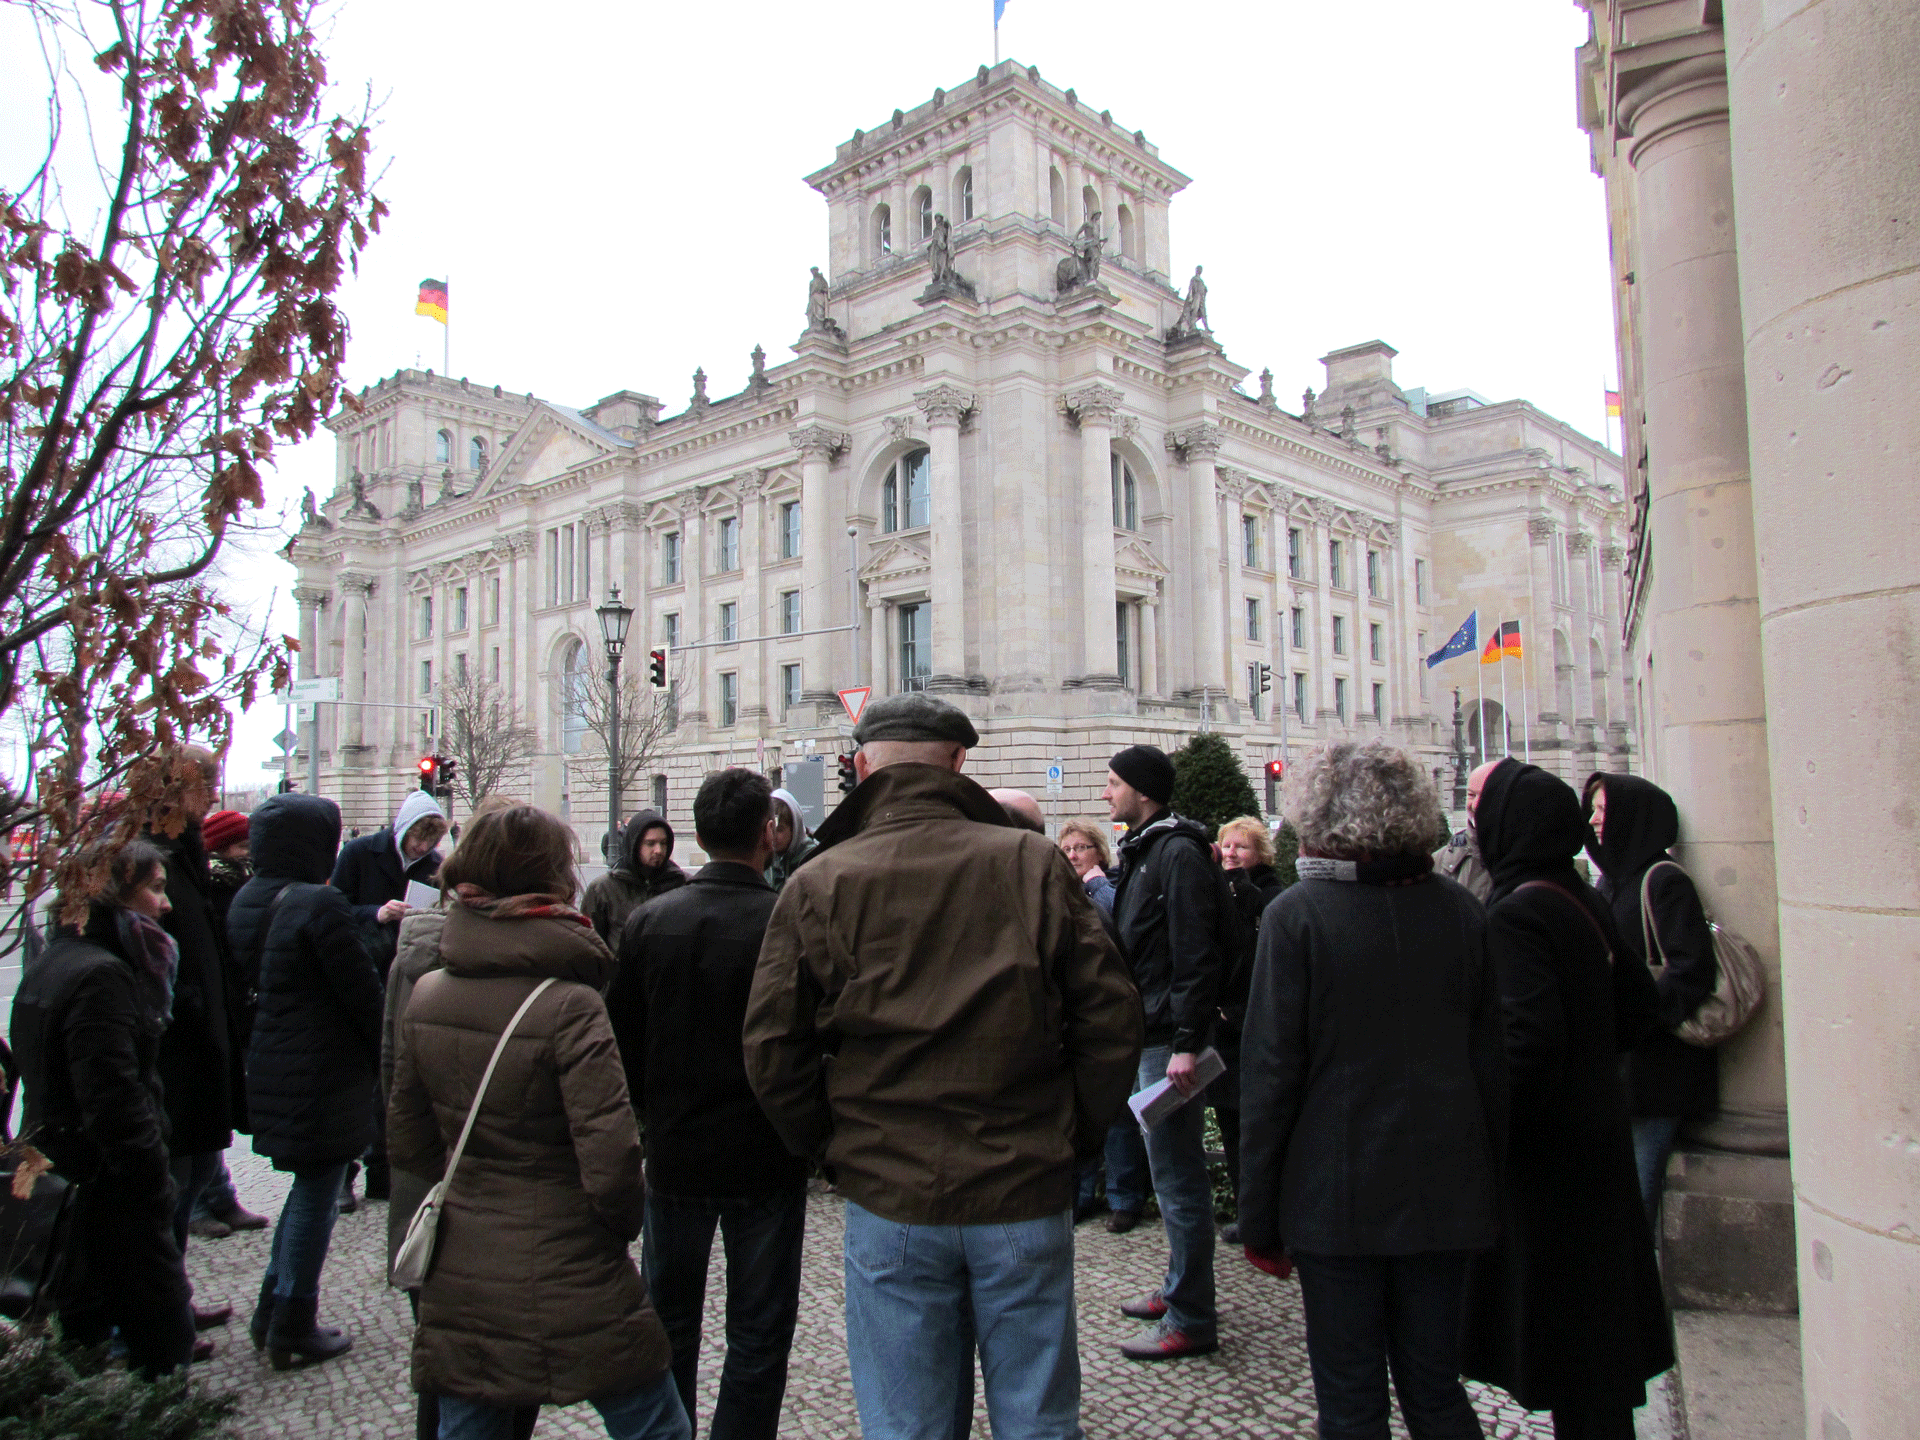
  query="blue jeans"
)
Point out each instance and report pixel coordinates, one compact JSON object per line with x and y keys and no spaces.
{"x":762,"y":1238}
{"x":1653,"y":1137}
{"x":908,"y":1291}
{"x":1371,"y":1314}
{"x":1177,"y":1155}
{"x":306,"y":1227}
{"x":652,"y":1412}
{"x":1127,"y":1177}
{"x":192,"y":1174}
{"x":219,"y":1198}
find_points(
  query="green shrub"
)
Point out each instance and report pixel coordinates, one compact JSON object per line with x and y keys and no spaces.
{"x":47,"y":1393}
{"x":1208,"y":784}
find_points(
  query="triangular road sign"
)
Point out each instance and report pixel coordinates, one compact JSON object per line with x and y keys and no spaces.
{"x":854,"y":701}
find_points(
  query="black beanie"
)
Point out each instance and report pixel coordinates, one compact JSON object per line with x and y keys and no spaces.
{"x":1147,"y":769}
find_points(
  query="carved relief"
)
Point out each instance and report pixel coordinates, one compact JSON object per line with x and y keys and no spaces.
{"x":1199,"y":442}
{"x":1096,"y":403}
{"x":1579,"y":542}
{"x":944,"y":404}
{"x":899,"y":428}
{"x":1540,"y":529}
{"x":818,"y":441}
{"x":1612,"y":557}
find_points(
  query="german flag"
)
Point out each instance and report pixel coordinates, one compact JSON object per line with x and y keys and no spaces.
{"x":1510,"y":640}
{"x":1490,"y":652}
{"x":433,"y":300}
{"x":1613,"y":404}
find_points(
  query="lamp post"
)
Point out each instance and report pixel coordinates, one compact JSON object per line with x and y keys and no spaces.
{"x":1459,"y":754}
{"x":614,"y":620}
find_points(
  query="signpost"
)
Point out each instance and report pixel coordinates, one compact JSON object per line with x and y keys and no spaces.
{"x":309,"y":695}
{"x":1056,"y":779}
{"x":854,"y":701}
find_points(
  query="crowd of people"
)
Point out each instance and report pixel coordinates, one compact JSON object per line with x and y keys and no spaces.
{"x":1445,"y":1085}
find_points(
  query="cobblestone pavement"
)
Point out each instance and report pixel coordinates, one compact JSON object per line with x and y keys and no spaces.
{"x":1257,"y":1385}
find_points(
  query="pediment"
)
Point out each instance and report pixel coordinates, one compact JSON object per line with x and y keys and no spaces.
{"x":548,"y":445}
{"x":1135,"y":557}
{"x":896,"y":557}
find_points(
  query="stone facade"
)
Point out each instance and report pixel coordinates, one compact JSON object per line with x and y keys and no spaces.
{"x":1009,"y":463}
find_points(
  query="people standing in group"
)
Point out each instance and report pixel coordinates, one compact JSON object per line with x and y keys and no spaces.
{"x":1374,"y":1095}
{"x":1084,"y":843}
{"x":1635,"y":826}
{"x":1565,"y":1312}
{"x":792,"y":840}
{"x":87,"y":1023}
{"x":1246,"y":854}
{"x":1167,"y":904}
{"x":532,"y":1297}
{"x":1459,"y":860}
{"x":679,"y":1006}
{"x":645,"y":869}
{"x":940,"y":1021}
{"x":313,"y":1064}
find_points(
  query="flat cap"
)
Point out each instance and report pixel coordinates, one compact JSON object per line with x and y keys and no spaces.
{"x":915,"y":715}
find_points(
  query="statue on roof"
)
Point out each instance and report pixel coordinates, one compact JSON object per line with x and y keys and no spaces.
{"x":1193,"y":314}
{"x":699,"y":401}
{"x":818,"y":321}
{"x":759,"y":380}
{"x":1306,"y":406}
{"x":362,"y":508}
{"x":1083,"y":267}
{"x":945,"y":282}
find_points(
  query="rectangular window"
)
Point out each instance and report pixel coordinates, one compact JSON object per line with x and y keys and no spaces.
{"x":1339,"y":634}
{"x":789,"y":612}
{"x":729,"y":545}
{"x":670,"y":558}
{"x":1122,"y":636}
{"x":1336,"y":553}
{"x":1300,"y":695}
{"x":1250,"y":541}
{"x":1340,"y":699}
{"x":1294,"y":556}
{"x":493,"y":601}
{"x":460,"y":667}
{"x":585,"y":591}
{"x":426,"y":677}
{"x":1253,"y":618}
{"x":729,"y":698}
{"x":1376,"y":643}
{"x":426,"y":617}
{"x":916,"y":645}
{"x":670,"y":630}
{"x":1420,"y":645}
{"x":789,"y":689}
{"x":1373,"y":573}
{"x":789,"y":529}
{"x":493,"y":664}
{"x":1379,"y":703}
{"x":1420,"y":582}
{"x":567,"y":573}
{"x":729,"y":623}
{"x":459,"y":608}
{"x":1299,"y":626}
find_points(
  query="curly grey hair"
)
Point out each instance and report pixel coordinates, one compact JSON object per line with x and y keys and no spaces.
{"x":1371,"y":801}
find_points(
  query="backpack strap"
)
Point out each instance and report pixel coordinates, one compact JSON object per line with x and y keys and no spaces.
{"x":1573,"y":900}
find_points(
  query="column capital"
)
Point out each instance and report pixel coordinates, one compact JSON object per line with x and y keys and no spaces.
{"x":1580,"y":542}
{"x":519,"y":543}
{"x":818,"y":442}
{"x":1094,"y":404}
{"x":1231,"y":481}
{"x":311,"y":597}
{"x":749,"y":483}
{"x":1540,"y":529}
{"x":355,"y":586}
{"x":944,"y":404}
{"x":1612,"y":557}
{"x":1197,"y":442}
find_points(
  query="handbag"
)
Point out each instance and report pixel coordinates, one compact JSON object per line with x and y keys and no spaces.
{"x":413,"y":1261}
{"x":1739,"y":981}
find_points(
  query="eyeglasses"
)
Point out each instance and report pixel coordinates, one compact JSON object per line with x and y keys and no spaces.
{"x":1079,"y":848}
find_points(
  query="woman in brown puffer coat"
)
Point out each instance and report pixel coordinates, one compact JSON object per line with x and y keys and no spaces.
{"x":533,"y":1298}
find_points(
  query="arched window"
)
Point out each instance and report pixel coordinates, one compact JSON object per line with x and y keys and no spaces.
{"x":1129,"y":246}
{"x":476,"y":454}
{"x":1126,"y":497}
{"x":906,"y":500}
{"x":1089,"y":201}
{"x":442,"y":448}
{"x":574,"y":698}
{"x":1487,"y":734}
{"x":1056,"y":195}
{"x":923,"y":213}
{"x":963,"y":194}
{"x":882,"y":230}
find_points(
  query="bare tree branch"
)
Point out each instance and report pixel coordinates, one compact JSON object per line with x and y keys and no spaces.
{"x":483,"y":732}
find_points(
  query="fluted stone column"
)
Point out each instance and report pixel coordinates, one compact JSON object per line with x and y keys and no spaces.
{"x":1703,"y":605}
{"x":880,"y":632}
{"x":1096,"y":406}
{"x":817,"y":444}
{"x":310,"y":599}
{"x":1826,"y":145}
{"x":695,"y":624}
{"x":1199,"y":446}
{"x":353,"y":661}
{"x":1230,"y":485}
{"x":755,"y":621}
{"x":943,"y":405}
{"x":1579,"y":548}
{"x":1613,"y":559}
{"x":1150,"y":645}
{"x":1537,"y":648}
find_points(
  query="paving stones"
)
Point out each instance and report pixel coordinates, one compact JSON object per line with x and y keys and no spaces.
{"x":1256,"y":1385}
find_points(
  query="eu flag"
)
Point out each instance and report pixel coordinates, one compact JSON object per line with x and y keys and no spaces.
{"x":1464,"y":642}
{"x":999,"y":9}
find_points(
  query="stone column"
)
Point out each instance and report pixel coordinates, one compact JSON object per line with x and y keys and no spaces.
{"x":1150,"y":645}
{"x":353,"y":662}
{"x":817,"y":444}
{"x":1199,"y":446}
{"x":1613,"y":559}
{"x":943,"y":405}
{"x":1825,"y":151}
{"x":1537,"y":645}
{"x":880,"y":627}
{"x":753,"y":665}
{"x":1703,"y":607}
{"x":1096,"y":406}
{"x":1580,"y":587}
{"x":310,"y":599}
{"x":694,"y":621}
{"x":1231,"y":486}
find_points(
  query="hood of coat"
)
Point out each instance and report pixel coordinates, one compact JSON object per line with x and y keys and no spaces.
{"x":480,"y":947}
{"x":800,"y":831}
{"x":894,"y":788}
{"x":294,"y":837}
{"x":418,"y":806}
{"x":635,"y":832}
{"x":1641,"y":824}
{"x":1166,"y":823}
{"x":1528,"y":823}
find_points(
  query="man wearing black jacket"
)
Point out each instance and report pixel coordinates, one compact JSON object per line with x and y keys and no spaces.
{"x":1167,"y":906}
{"x":679,"y":1005}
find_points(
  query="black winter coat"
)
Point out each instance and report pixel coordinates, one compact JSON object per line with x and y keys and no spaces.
{"x":199,"y":1068}
{"x":86,"y":1034}
{"x":1253,"y":891}
{"x":313,"y":1068}
{"x":1566,"y":1309}
{"x":1373,"y":1090}
{"x":679,"y":1007}
{"x":629,"y":884}
{"x":1166,"y":905}
{"x":369,"y":873}
{"x":1665,"y":1075}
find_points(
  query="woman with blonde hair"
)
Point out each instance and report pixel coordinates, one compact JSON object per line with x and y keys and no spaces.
{"x":1084,"y":843}
{"x":1246,"y":854}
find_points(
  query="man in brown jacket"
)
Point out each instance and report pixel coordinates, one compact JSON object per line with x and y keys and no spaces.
{"x":939,"y":1019}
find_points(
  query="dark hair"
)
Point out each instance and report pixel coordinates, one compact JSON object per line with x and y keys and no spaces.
{"x":114,"y":872}
{"x":731,"y":809}
{"x":518,"y":850}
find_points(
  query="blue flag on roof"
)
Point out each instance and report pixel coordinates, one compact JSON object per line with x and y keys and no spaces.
{"x":999,"y":9}
{"x":1465,"y":641}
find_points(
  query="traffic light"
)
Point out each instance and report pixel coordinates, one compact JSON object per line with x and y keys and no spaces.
{"x":847,"y":778}
{"x":657,"y":668}
{"x":445,"y":786}
{"x":429,"y":773}
{"x":1276,"y":771}
{"x":1266,"y":679}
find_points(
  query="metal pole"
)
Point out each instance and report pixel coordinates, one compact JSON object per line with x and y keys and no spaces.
{"x":613,"y":758}
{"x":1459,"y":754}
{"x":313,"y":753}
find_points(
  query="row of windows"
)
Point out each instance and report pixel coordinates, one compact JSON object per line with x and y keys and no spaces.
{"x":459,"y":607}
{"x":727,"y":544}
{"x":443,"y":450}
{"x":923,"y":210}
{"x":1258,"y":704}
{"x":1297,"y":631}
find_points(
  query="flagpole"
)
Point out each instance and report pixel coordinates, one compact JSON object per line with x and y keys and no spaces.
{"x":1506,"y":715}
{"x":446,"y":333}
{"x":1480,"y":714}
{"x":1526,"y":739}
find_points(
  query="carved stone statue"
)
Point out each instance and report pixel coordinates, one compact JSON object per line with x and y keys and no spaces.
{"x":362,"y":507}
{"x":309,"y":508}
{"x":760,"y":381}
{"x":447,"y":492}
{"x":1083,"y":266}
{"x":1346,"y":422}
{"x":416,"y":496}
{"x":1266,"y":389}
{"x":945,"y":282}
{"x":817,"y":301}
{"x":1306,"y":406}
{"x":1193,"y":314}
{"x":699,"y":401}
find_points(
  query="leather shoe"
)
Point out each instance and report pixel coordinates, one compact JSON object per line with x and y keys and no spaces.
{"x":1147,"y":1307}
{"x":205,"y":1318}
{"x":208,"y":1228}
{"x":1165,"y":1342}
{"x":1230,"y":1233}
{"x":1121,"y":1221}
{"x":238,"y":1217}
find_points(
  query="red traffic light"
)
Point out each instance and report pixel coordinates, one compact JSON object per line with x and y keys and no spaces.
{"x":427,"y":762}
{"x":1276,"y":768}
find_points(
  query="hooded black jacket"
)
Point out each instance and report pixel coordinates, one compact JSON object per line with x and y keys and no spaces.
{"x":198,"y":1066}
{"x":629,"y":885}
{"x":1168,"y":906}
{"x":1665,"y":1075}
{"x":314,"y":1064}
{"x":369,"y":873}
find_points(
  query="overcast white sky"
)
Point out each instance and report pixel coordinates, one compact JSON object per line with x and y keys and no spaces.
{"x":614,"y":191}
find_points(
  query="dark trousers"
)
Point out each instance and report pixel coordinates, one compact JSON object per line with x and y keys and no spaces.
{"x":1128,"y":1179}
{"x":192,"y":1174}
{"x":761,"y":1237}
{"x":1593,"y":1423}
{"x":124,"y":1270}
{"x":1368,"y":1315}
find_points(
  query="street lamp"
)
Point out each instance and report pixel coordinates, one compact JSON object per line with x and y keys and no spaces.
{"x":1459,"y":755}
{"x":614,"y":620}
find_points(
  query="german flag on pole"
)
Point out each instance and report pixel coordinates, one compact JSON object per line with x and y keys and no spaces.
{"x":1613,"y":404}
{"x":1490,"y":652}
{"x":1510,"y":640}
{"x":433,"y":300}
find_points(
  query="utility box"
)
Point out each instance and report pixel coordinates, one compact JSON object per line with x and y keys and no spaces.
{"x":806,"y":777}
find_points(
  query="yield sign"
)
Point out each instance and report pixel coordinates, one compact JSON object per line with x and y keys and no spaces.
{"x":854,"y":701}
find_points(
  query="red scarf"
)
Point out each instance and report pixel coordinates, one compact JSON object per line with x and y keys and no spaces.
{"x":517,"y":907}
